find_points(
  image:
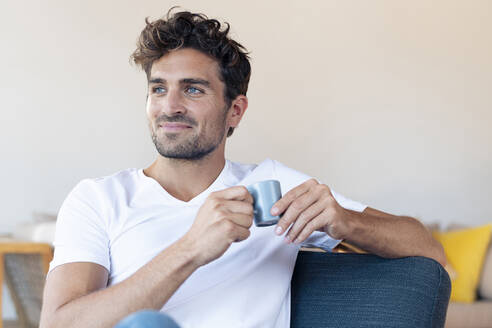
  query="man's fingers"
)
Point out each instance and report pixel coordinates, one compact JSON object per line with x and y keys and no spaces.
{"x":238,"y":206}
{"x":295,"y":209}
{"x":242,"y":234}
{"x":243,"y":220}
{"x":283,"y":203}
{"x":304,"y":219}
{"x":308,"y":229}
{"x":234,"y":193}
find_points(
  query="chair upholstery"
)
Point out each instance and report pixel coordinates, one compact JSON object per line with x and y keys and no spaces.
{"x":360,"y":290}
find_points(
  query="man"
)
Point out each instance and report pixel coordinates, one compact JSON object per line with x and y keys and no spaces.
{"x":178,"y":235}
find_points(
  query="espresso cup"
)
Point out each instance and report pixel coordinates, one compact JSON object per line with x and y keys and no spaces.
{"x":265,"y":194}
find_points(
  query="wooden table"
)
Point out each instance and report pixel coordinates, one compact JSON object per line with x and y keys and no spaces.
{"x":13,"y":246}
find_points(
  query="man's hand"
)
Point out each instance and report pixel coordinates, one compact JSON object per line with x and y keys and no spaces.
{"x":224,"y":218}
{"x":311,"y":207}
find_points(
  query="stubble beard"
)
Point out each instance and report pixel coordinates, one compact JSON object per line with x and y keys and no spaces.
{"x":193,"y":147}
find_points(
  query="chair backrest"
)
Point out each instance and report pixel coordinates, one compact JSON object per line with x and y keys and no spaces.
{"x":24,"y":265}
{"x":25,"y":277}
{"x":359,"y":290}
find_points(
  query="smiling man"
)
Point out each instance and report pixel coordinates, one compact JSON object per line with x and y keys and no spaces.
{"x":178,"y":236}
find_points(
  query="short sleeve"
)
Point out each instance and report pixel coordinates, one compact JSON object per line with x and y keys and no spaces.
{"x":348,"y":203}
{"x":290,"y":178}
{"x":81,"y":230}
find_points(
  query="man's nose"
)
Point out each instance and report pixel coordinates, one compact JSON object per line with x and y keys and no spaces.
{"x":174,"y":103}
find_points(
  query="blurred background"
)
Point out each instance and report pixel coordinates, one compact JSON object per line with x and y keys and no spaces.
{"x":388,"y":102}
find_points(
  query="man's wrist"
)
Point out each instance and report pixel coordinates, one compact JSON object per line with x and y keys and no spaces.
{"x":188,"y":253}
{"x":348,"y":225}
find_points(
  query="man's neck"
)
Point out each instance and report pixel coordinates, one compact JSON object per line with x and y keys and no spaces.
{"x":184,"y":179}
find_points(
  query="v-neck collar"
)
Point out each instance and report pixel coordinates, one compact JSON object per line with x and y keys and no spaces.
{"x":221,"y":182}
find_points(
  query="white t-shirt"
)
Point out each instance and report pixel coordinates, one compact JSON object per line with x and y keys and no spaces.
{"x":122,"y":221}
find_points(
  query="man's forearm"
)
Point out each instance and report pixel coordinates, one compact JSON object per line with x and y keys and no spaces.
{"x":392,"y":236}
{"x":148,"y":288}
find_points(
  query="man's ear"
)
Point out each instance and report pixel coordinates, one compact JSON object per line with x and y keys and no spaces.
{"x":237,"y":110}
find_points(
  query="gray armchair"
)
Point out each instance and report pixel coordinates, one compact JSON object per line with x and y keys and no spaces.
{"x":360,"y":290}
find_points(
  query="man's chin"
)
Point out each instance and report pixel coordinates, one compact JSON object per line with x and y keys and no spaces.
{"x":183,"y":157}
{"x":184,"y":154}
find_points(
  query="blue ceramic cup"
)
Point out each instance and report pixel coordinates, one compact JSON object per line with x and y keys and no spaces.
{"x":265,"y":194}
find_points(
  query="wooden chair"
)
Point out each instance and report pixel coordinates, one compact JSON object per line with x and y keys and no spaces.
{"x":23,"y":267}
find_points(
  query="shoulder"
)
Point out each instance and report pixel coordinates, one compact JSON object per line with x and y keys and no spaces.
{"x":93,"y":201}
{"x":100,"y":195}
{"x":267,"y":166}
{"x":281,"y":170}
{"x":109,"y":184}
{"x":288,"y":176}
{"x":122,"y":177}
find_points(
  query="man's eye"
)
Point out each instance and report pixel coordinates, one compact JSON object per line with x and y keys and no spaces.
{"x":193,"y":91}
{"x":158,"y":90}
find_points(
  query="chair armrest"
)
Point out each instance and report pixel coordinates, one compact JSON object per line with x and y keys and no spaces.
{"x":361,"y":290}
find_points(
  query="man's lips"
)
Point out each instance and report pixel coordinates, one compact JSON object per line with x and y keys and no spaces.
{"x":174,"y":126}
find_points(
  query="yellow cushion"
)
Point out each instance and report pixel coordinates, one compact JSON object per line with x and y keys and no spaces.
{"x":465,"y":250}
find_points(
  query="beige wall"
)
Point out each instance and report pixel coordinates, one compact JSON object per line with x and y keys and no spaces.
{"x":389,"y":102}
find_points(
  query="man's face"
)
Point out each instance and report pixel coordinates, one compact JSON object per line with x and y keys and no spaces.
{"x":185,"y":106}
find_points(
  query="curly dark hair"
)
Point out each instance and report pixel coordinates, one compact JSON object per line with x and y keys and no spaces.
{"x":191,"y":30}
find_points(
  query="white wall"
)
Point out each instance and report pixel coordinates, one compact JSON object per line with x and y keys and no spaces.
{"x":389,"y":102}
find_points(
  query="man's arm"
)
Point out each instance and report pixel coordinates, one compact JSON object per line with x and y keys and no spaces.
{"x":75,"y":294}
{"x":391,"y":236}
{"x":311,"y":207}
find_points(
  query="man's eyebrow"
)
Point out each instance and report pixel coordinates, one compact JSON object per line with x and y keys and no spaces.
{"x":195,"y":81}
{"x":156,"y":80}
